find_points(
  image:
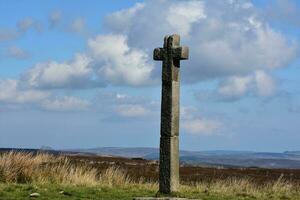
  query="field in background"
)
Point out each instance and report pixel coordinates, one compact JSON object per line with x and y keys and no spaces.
{"x":87,"y":177}
{"x":138,"y":168}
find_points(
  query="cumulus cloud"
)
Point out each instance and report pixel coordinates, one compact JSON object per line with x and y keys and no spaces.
{"x":265,"y":84}
{"x":65,"y":103}
{"x":188,"y":112}
{"x":229,"y":40}
{"x":226,"y":38}
{"x":119,"y":64}
{"x":17,"y":52}
{"x":120,"y":21}
{"x":233,"y":88}
{"x":124,"y":106}
{"x":145,"y":24}
{"x":259,"y":83}
{"x":194,"y":122}
{"x":183,"y":15}
{"x":74,"y":74}
{"x":201,"y":126}
{"x":10,"y":92}
{"x":131,"y":110}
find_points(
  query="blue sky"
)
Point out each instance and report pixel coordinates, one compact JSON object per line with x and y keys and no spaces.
{"x":78,"y":75}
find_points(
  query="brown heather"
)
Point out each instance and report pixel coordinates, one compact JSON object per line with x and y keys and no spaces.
{"x":28,"y":168}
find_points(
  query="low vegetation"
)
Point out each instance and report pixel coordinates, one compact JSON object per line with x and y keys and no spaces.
{"x":56,"y":177}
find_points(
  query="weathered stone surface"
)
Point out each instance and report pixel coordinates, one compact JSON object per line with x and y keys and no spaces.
{"x":169,"y":164}
{"x":170,"y":109}
{"x":181,"y":53}
{"x":170,"y":54}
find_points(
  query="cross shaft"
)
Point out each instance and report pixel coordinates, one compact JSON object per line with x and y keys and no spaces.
{"x":170,"y":54}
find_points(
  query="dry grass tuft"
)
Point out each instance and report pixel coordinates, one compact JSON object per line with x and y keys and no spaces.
{"x":114,"y":176}
{"x":18,"y":167}
{"x":21,"y":167}
{"x":245,"y":188}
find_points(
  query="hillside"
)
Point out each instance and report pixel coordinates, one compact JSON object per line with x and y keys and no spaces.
{"x":285,"y":160}
{"x":81,"y":177}
{"x":289,"y":160}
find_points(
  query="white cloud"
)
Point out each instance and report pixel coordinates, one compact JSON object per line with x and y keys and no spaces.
{"x":201,"y":126}
{"x":131,"y":110}
{"x":121,"y":96}
{"x":235,"y":86}
{"x":188,"y":112}
{"x":182,"y":15}
{"x":11,"y":93}
{"x":123,"y":106}
{"x":195,"y":122}
{"x":265,"y":84}
{"x":74,"y":74}
{"x":176,"y":17}
{"x":18,"y":53}
{"x":240,"y":50}
{"x":226,"y":38}
{"x":119,"y":64}
{"x":259,"y":83}
{"x":65,"y":103}
{"x":121,"y":20}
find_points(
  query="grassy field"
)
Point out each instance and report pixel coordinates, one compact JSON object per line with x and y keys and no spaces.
{"x":58,"y":178}
{"x":54,"y":191}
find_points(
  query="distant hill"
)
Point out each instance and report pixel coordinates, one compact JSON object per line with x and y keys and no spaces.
{"x":293,"y":152}
{"x":288,"y":159}
{"x":119,"y":151}
{"x":210,"y":158}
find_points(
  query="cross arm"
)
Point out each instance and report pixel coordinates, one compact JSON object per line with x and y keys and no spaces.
{"x":181,"y":53}
{"x":158,"y":54}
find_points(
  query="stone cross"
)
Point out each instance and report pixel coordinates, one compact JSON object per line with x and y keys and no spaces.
{"x":170,"y":54}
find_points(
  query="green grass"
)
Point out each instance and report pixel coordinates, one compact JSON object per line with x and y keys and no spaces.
{"x":22,"y":174}
{"x":49,"y":191}
{"x":23,"y":191}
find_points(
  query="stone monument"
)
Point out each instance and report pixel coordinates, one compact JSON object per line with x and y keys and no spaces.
{"x":170,"y":54}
